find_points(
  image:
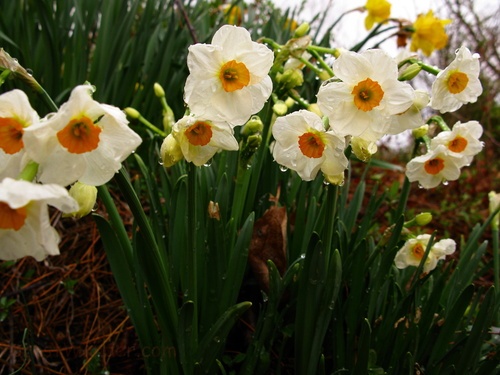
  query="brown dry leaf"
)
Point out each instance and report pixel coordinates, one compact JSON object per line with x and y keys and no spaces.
{"x":268,"y":243}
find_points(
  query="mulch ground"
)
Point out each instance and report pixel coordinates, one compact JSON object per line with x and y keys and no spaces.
{"x":67,"y":316}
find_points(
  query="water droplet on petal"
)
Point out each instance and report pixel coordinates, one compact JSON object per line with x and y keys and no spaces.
{"x":208,"y":163}
{"x":326,"y":183}
{"x":445,"y":182}
{"x":160,"y":161}
{"x":283,"y":168}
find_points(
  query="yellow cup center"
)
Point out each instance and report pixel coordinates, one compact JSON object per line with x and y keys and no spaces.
{"x":80,"y":135}
{"x":434,"y":166}
{"x":457,"y":82}
{"x":311,"y":145}
{"x":199,"y":134}
{"x":367,"y":95}
{"x":418,"y":251}
{"x":11,"y":135}
{"x":12,"y":218}
{"x":234,"y":76}
{"x":458,"y":144}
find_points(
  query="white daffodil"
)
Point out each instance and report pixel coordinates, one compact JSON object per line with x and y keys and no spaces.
{"x":462,"y":141}
{"x":85,"y":141}
{"x":229,"y":78}
{"x":412,"y":117}
{"x":436,"y":166}
{"x":16,"y":115}
{"x":412,"y":252}
{"x":458,"y":84}
{"x":199,"y":139}
{"x":25,"y":228}
{"x":303,"y":145}
{"x":368,"y":93}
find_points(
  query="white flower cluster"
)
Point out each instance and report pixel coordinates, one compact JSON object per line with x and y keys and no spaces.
{"x":83,"y":143}
{"x":228,"y":82}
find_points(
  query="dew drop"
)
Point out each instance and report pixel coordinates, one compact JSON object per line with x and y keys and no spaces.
{"x":445,"y":183}
{"x":283,"y":168}
{"x":29,"y":71}
{"x":208,"y":163}
{"x":160,"y":161}
{"x":325,"y":182}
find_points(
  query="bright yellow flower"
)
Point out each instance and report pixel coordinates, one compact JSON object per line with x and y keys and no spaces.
{"x":378,"y":11}
{"x":429,"y":33}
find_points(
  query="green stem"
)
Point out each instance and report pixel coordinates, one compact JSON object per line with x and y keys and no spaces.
{"x":192,"y":260}
{"x":331,"y":210}
{"x":496,"y":262}
{"x":152,"y":127}
{"x":271,"y":42}
{"x":29,"y":172}
{"x":310,"y":65}
{"x":428,"y":68}
{"x":440,"y":122}
{"x":295,"y":96}
{"x":322,"y":62}
{"x":325,"y":50}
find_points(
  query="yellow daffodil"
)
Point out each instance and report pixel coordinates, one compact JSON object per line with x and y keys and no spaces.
{"x":84,"y":141}
{"x":433,"y":168}
{"x":458,"y":84}
{"x":429,"y":34}
{"x":25,"y":228}
{"x":378,"y":11}
{"x":229,"y":78}
{"x":365,"y":96}
{"x":16,"y":115}
{"x":199,"y":139}
{"x":303,"y":145}
{"x":412,"y":252}
{"x":462,"y":141}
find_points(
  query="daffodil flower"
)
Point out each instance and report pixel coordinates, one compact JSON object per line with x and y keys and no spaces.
{"x":458,"y":84}
{"x":429,"y":34}
{"x":462,"y":141}
{"x":199,"y":139}
{"x":16,"y":115}
{"x":303,"y":145}
{"x":25,"y":228}
{"x":378,"y":11}
{"x":412,"y":117}
{"x":412,"y":252}
{"x":85,"y":141}
{"x":368,"y":93}
{"x":228,"y":79}
{"x":433,"y":168}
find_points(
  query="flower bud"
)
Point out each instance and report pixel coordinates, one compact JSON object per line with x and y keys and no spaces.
{"x":314,"y":108}
{"x":170,"y":151}
{"x":423,"y":218}
{"x":335,"y":180}
{"x":86,"y":196}
{"x":132,"y":113}
{"x":324,"y":75}
{"x":421,"y":131}
{"x":290,"y":102}
{"x":302,"y":30}
{"x":410,"y":72}
{"x":494,"y":205}
{"x":280,"y":108}
{"x":363,"y":149}
{"x":290,"y":78}
{"x":159,"y":92}
{"x":168,"y":120}
{"x":253,"y":126}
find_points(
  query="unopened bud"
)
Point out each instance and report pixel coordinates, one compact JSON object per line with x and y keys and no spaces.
{"x":86,"y":196}
{"x":280,"y":108}
{"x":421,"y":131}
{"x":494,"y":199}
{"x":132,"y":113}
{"x":302,"y":30}
{"x":336,"y":179}
{"x":290,"y":102}
{"x":324,"y":75}
{"x":170,"y":151}
{"x":423,"y":218}
{"x":314,"y":108}
{"x":410,"y":72}
{"x":253,"y":126}
{"x":168,"y":120}
{"x":363,"y":149}
{"x":290,"y":78}
{"x":159,"y":92}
